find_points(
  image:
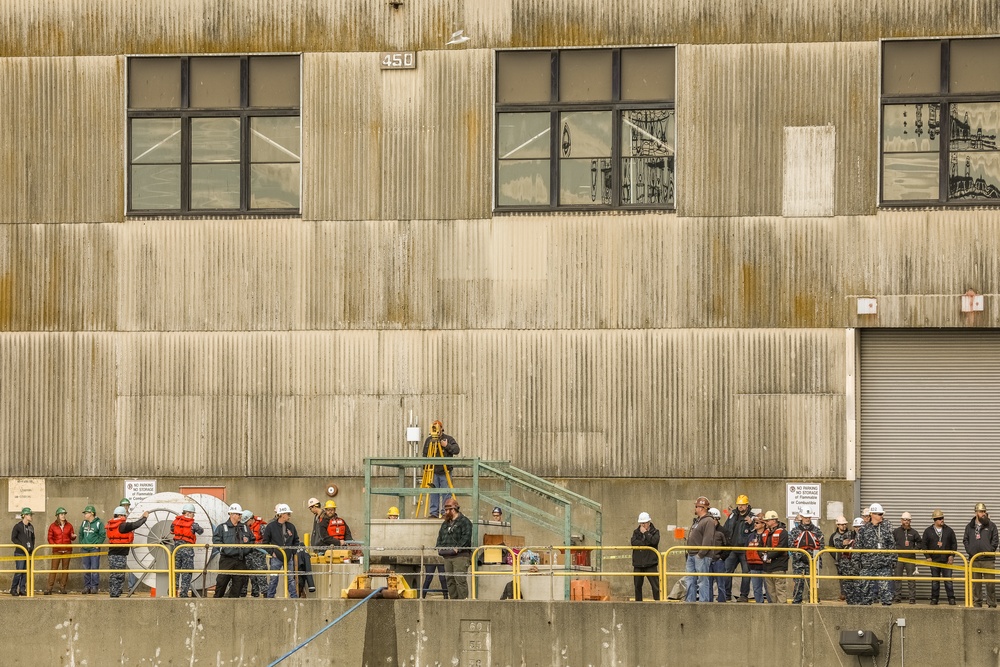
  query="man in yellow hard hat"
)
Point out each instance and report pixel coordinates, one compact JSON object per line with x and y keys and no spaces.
{"x":737,"y":530}
{"x":393,"y":513}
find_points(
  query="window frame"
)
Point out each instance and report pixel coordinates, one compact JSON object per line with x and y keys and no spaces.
{"x":185,"y":113}
{"x":945,"y":99}
{"x":554,"y":107}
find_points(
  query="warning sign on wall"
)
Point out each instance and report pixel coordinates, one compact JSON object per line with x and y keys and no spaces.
{"x":802,"y":495}
{"x":138,"y":490}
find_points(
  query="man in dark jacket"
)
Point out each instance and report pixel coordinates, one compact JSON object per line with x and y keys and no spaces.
{"x":981,"y":537}
{"x":737,"y":529}
{"x":231,"y":558}
{"x":940,"y":537}
{"x":701,"y":535}
{"x":775,"y":562}
{"x":283,"y":538}
{"x":23,"y":535}
{"x":454,"y":544}
{"x":439,"y":443}
{"x":644,"y":560}
{"x":906,"y":538}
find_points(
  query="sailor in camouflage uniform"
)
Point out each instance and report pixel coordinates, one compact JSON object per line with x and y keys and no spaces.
{"x":876,"y":566}
{"x":849,"y":565}
{"x":811,"y":543}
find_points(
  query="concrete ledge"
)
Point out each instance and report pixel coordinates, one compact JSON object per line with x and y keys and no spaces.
{"x":440,"y":632}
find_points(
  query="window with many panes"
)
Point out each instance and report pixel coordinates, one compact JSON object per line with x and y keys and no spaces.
{"x":585,"y":129}
{"x":213,"y":135}
{"x":940,"y":120}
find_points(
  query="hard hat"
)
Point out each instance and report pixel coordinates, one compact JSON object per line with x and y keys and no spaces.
{"x":980,"y":507}
{"x":841,"y":520}
{"x":807,"y":511}
{"x":770,"y":514}
{"x":742,"y":500}
{"x":497,"y":510}
{"x":644,"y":517}
{"x":865,"y":511}
{"x":90,"y":508}
{"x":26,"y":510}
{"x":330,"y":505}
{"x":312,"y":502}
{"x":119,"y":511}
{"x":906,"y":516}
{"x":282,"y":508}
{"x":235,"y":508}
{"x":875,"y":508}
{"x":247,"y":515}
{"x":937,"y":514}
{"x":858,"y":522}
{"x":189,"y":507}
{"x":124,"y":501}
{"x":714,"y":513}
{"x":393,"y":511}
{"x":702,"y":501}
{"x":60,"y":510}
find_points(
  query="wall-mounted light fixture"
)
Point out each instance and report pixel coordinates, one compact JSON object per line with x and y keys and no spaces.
{"x":859,"y":642}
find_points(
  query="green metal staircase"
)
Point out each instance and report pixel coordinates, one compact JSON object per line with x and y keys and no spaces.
{"x":567,"y":517}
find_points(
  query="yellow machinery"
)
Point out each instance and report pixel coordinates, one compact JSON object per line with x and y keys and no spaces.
{"x":395,"y":585}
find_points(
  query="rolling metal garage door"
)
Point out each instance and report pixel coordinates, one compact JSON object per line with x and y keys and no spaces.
{"x":930,"y":423}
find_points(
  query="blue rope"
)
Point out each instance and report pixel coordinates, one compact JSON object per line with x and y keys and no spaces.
{"x":330,"y":625}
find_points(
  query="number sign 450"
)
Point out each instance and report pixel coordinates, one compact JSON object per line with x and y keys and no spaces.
{"x":398,"y":60}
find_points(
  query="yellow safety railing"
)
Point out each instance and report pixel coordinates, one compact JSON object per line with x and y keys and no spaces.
{"x":176,"y":571}
{"x":28,"y":566}
{"x":972,"y":569}
{"x":806,"y":577}
{"x":816,"y":577}
{"x":515,"y":569}
{"x":41,"y":550}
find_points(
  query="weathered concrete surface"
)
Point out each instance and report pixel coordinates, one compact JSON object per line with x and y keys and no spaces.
{"x":435,"y":632}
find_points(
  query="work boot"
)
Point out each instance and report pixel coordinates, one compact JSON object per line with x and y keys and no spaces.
{"x":951,"y":601}
{"x":934,"y":602}
{"x":48,"y":592}
{"x":913,"y":600}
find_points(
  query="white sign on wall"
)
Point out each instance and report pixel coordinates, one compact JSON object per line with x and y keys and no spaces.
{"x":23,"y":493}
{"x":138,"y":490}
{"x":802,"y":495}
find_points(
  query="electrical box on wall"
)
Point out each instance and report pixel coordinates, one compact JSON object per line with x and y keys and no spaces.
{"x":867,"y":306}
{"x":972,"y":303}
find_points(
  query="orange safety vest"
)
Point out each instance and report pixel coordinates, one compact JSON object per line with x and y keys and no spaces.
{"x":255,"y":525}
{"x":337,"y":528}
{"x":181,"y":528}
{"x":753,"y":556}
{"x":114,"y":535}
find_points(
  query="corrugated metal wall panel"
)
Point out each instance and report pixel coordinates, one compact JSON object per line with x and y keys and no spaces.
{"x":733,"y":103}
{"x":930,"y":422}
{"x":62,"y":129}
{"x":615,"y":403}
{"x":545,"y":272}
{"x":109,"y":27}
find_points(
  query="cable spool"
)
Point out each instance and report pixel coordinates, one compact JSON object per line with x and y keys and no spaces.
{"x":163,"y":508}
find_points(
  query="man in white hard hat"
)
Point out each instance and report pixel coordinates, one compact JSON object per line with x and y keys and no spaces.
{"x":283,"y":537}
{"x":906,"y":538}
{"x":981,"y":537}
{"x":643,"y":560}
{"x":775,"y":562}
{"x":231,"y":558}
{"x":842,"y":538}
{"x":876,"y":535}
